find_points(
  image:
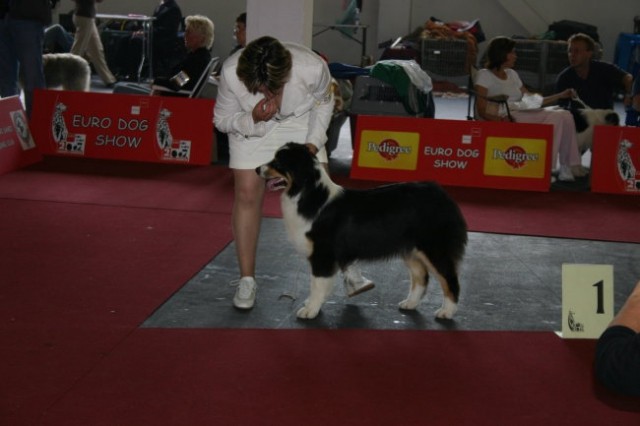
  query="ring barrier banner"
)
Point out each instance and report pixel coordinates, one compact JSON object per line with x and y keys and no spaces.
{"x":615,"y":160}
{"x":17,"y":146}
{"x":123,"y":127}
{"x":453,"y":152}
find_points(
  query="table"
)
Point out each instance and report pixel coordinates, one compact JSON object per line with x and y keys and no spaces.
{"x":342,"y":28}
{"x":147,"y":37}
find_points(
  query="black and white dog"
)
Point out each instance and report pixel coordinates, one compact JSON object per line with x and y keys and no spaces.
{"x":586,"y":118}
{"x":334,"y":227}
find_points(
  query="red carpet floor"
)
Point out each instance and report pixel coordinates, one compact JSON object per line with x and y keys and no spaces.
{"x":581,"y":215}
{"x":90,"y":249}
{"x":319,"y":377}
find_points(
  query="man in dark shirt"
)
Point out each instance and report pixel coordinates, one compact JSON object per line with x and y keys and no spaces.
{"x":167,"y":23}
{"x":595,"y":82}
{"x":167,"y":49}
{"x":617,"y":363}
{"x":22,"y":24}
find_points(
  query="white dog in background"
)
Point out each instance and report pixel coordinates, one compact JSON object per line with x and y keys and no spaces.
{"x":586,"y":118}
{"x":66,"y":70}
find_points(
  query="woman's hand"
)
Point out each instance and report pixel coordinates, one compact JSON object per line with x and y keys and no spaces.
{"x":312,"y":148}
{"x":567,"y":93}
{"x":264,"y":110}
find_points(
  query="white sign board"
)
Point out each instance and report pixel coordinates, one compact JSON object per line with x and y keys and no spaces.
{"x":587,"y":300}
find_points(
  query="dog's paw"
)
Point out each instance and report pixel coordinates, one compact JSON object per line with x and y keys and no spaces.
{"x":447,"y":310}
{"x":307,"y":313}
{"x":408,"y":305}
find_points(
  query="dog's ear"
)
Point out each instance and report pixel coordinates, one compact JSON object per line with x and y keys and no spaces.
{"x":612,"y":119}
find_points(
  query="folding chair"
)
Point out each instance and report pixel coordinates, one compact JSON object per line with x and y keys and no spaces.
{"x":473,"y":95}
{"x":197,"y":88}
{"x":204,"y":77}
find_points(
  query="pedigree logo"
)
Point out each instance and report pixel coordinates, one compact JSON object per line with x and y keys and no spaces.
{"x":515,"y":157}
{"x":389,"y":150}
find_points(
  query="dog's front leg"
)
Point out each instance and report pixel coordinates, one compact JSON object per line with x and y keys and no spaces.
{"x":321,"y":288}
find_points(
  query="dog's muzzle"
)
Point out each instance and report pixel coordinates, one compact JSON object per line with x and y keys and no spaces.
{"x":274,"y":183}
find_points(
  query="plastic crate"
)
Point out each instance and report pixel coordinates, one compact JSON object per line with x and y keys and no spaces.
{"x":539,"y":62}
{"x":446,"y":58}
{"x":530,"y":55}
{"x":373,"y":97}
{"x":557,"y":58}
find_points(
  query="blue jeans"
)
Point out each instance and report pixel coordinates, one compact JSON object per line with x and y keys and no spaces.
{"x":21,"y":51}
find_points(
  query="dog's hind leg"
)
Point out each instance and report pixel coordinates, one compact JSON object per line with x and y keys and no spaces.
{"x":446,"y":273}
{"x":419,"y":281}
{"x":321,"y":288}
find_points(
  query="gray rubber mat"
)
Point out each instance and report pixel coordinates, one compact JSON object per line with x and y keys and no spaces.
{"x":507,"y":283}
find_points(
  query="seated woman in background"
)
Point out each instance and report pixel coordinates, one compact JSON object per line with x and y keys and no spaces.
{"x":499,"y":79}
{"x":198,"y":39}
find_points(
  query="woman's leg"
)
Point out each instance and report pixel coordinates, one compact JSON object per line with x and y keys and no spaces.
{"x":95,"y":51}
{"x":569,"y":155}
{"x":81,"y":38}
{"x":565,"y":142}
{"x":246,"y":218}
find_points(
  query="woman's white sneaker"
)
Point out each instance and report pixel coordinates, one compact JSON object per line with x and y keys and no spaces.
{"x":245,"y":296}
{"x":565,"y":174}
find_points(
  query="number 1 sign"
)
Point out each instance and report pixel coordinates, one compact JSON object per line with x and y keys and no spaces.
{"x":587,"y":300}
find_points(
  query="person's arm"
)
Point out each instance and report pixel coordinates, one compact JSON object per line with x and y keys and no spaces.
{"x":322,"y":111}
{"x":629,"y":315}
{"x":229,"y":117}
{"x":553,"y":99}
{"x":635,"y":101}
{"x":563,"y":82}
{"x":482,"y":106}
{"x":627,"y":83}
{"x":617,"y":357}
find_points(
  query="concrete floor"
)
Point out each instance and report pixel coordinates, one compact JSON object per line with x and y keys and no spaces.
{"x":507,"y":282}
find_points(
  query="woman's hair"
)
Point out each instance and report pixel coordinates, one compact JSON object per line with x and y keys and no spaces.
{"x":497,"y":51}
{"x":203,"y":26}
{"x":264,"y":62}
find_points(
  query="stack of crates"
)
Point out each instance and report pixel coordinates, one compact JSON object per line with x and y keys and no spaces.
{"x":556,"y":61}
{"x":445,"y":59}
{"x":539,"y":63}
{"x":529,"y":63}
{"x":373,"y":97}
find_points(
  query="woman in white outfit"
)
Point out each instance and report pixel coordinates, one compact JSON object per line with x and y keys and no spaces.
{"x":269,"y":93}
{"x":498,"y":78}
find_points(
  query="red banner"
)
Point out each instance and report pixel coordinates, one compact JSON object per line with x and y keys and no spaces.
{"x":17,"y":147}
{"x":453,"y":152}
{"x":123,"y":127}
{"x":615,"y":164}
